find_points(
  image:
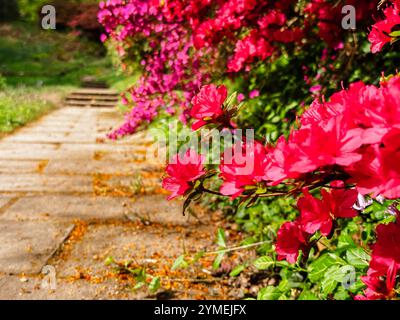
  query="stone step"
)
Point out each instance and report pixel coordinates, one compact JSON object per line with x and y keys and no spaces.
{"x":92,"y":97}
{"x":92,"y":102}
{"x":95,"y":91}
{"x":89,"y":104}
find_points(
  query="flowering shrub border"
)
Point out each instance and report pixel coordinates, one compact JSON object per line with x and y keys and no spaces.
{"x":344,"y":149}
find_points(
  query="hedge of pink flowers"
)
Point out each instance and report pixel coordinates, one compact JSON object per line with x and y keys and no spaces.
{"x":185,"y":44}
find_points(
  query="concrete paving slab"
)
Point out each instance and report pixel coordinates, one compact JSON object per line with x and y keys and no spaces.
{"x":49,"y":138}
{"x":20,"y":166}
{"x":90,"y":167}
{"x":124,"y":243}
{"x":28,"y":288}
{"x":44,"y":183}
{"x":26,"y":151}
{"x":161,"y":211}
{"x":4,"y":199}
{"x":26,"y":246}
{"x":68,"y":208}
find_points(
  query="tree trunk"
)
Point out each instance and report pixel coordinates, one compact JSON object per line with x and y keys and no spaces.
{"x":9,"y":10}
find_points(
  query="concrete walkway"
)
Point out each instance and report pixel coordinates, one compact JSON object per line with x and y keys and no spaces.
{"x":69,"y":199}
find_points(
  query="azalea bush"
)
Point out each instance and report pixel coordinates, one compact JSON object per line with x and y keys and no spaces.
{"x":317,"y":180}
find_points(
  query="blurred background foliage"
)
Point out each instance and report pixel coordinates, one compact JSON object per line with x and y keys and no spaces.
{"x":38,"y":67}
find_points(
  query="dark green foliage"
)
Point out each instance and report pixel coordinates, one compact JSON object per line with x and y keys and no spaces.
{"x":9,"y":10}
{"x":31,"y":56}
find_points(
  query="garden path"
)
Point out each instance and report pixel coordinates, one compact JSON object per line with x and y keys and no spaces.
{"x":70,"y":199}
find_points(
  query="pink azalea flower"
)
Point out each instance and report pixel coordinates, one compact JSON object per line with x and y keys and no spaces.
{"x":316,"y":89}
{"x":246,"y":167}
{"x":103,"y":38}
{"x":182,"y":171}
{"x":254,"y":94}
{"x":378,"y":36}
{"x":207,"y":105}
{"x":240,"y":97}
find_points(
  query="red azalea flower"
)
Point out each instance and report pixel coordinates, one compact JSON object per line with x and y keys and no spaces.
{"x":307,"y":148}
{"x":385,"y":263}
{"x":340,"y":201}
{"x":273,"y":17}
{"x":288,"y":160}
{"x":246,"y":167}
{"x":379,"y":34}
{"x":207,"y":105}
{"x":249,"y":48}
{"x":374,"y":110}
{"x":314,"y":215}
{"x":333,"y":142}
{"x":386,"y":251}
{"x":378,"y":172}
{"x":377,"y":287}
{"x":181,"y":171}
{"x":319,"y":214}
{"x":290,"y":240}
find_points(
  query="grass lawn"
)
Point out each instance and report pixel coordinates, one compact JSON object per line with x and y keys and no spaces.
{"x":31,"y":56}
{"x":19,"y":106}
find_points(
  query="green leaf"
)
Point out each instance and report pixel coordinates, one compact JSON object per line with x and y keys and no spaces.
{"x":307,"y":295}
{"x":395,"y":33}
{"x":231,"y":99}
{"x":269,"y":293}
{"x":218,"y":260}
{"x":342,"y":272}
{"x":318,"y":268}
{"x":264,"y":263}
{"x":345,"y":275}
{"x":345,"y":241}
{"x":221,"y":237}
{"x":357,"y":286}
{"x":154,"y":284}
{"x":341,"y":294}
{"x":198,"y":256}
{"x":237,"y":270}
{"x":357,"y":257}
{"x":282,"y":264}
{"x":180,"y":262}
{"x":329,"y":282}
{"x":284,"y":285}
